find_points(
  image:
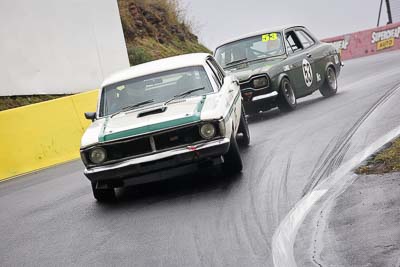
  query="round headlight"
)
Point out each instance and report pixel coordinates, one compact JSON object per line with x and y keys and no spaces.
{"x":207,"y":131}
{"x":260,"y":82}
{"x":98,"y":155}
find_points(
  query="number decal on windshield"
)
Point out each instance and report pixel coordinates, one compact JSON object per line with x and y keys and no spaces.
{"x":270,"y":37}
{"x":121,"y":87}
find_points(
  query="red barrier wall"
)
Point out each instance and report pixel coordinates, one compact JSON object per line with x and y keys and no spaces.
{"x":368,"y":42}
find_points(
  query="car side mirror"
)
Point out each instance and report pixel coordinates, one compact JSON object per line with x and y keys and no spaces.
{"x":90,"y":116}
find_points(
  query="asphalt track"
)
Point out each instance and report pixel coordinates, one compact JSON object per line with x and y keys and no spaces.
{"x":50,"y":218}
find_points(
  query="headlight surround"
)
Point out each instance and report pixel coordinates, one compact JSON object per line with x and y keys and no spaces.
{"x":260,"y":82}
{"x":97,"y":155}
{"x":207,"y":131}
{"x":84,"y":158}
{"x":222,"y":128}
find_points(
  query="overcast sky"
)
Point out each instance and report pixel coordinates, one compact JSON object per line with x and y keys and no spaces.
{"x":218,"y":20}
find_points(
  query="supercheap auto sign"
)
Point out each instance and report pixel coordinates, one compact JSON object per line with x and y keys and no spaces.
{"x":385,"y":39}
{"x":369,"y":42}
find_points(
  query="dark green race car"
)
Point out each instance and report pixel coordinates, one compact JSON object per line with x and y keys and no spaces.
{"x":275,"y":67}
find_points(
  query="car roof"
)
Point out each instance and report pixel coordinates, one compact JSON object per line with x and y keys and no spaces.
{"x":165,"y":64}
{"x":259,"y":32}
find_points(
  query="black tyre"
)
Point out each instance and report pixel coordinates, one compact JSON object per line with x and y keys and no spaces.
{"x":103,"y":195}
{"x":232,"y":160}
{"x":244,"y":130}
{"x":329,"y":88}
{"x":286,"y":99}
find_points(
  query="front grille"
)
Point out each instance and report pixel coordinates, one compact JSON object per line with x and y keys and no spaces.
{"x":246,"y":85}
{"x":183,"y":136}
{"x":128,"y":149}
{"x":121,"y":150}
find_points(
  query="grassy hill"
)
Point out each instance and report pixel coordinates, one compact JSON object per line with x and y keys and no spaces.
{"x":155,"y":29}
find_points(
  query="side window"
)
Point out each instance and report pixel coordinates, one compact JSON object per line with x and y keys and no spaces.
{"x":289,"y":48}
{"x":221,"y":72}
{"x":214,"y":76}
{"x":293,"y":42}
{"x":216,"y":70}
{"x":305,"y":39}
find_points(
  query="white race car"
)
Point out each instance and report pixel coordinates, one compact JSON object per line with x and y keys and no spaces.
{"x":162,"y":119}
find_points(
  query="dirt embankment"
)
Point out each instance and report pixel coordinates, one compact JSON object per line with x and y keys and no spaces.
{"x":156,"y":29}
{"x":9,"y":102}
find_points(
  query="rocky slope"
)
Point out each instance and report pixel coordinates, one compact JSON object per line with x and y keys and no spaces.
{"x":155,"y":29}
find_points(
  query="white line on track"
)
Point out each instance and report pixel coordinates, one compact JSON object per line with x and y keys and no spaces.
{"x":285,"y":235}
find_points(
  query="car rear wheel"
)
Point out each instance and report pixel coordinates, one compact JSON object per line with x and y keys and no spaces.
{"x":286,"y":99}
{"x":103,"y":195}
{"x":244,"y":130}
{"x":232,"y":160}
{"x":329,"y":88}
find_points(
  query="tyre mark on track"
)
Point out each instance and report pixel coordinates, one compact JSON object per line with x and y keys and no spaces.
{"x":283,"y":187}
{"x":196,"y":239}
{"x":275,"y":184}
{"x":246,"y":220}
{"x":321,"y":162}
{"x":252,"y":186}
{"x":338,"y":152}
{"x":247,"y":227}
{"x":250,"y":213}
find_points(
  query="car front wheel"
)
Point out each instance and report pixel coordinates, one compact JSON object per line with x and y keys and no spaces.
{"x":232,"y":159}
{"x":286,"y":99}
{"x":329,"y":88}
{"x":103,"y":195}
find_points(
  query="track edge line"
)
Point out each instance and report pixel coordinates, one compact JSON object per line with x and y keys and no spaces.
{"x":285,"y":235}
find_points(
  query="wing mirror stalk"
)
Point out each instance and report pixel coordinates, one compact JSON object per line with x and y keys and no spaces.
{"x":90,"y":116}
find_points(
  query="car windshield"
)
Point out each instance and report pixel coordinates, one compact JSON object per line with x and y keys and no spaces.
{"x":154,"y":88}
{"x":253,"y":48}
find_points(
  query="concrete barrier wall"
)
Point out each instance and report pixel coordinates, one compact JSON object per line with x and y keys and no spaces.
{"x":59,"y":47}
{"x":44,"y":134}
{"x":368,"y":42}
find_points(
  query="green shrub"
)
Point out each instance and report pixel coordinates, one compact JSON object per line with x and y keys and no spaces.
{"x":138,"y":55}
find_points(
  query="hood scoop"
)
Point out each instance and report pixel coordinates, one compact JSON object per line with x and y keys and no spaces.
{"x":152,"y":112}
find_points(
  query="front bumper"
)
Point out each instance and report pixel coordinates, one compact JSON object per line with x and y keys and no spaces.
{"x":159,"y":166}
{"x":261,"y":102}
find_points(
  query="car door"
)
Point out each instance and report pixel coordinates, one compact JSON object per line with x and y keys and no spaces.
{"x":322,"y":56}
{"x":294,"y":62}
{"x":302,"y":65}
{"x":310,"y":49}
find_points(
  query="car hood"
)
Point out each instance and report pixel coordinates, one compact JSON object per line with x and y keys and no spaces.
{"x":246,"y":70}
{"x":145,"y":120}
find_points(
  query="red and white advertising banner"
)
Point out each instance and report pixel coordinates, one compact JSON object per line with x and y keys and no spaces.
{"x":368,"y":42}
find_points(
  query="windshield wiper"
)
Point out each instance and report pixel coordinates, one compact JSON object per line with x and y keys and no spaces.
{"x":138,"y":105}
{"x":236,"y":61}
{"x":188,"y":92}
{"x":133,"y":106}
{"x":264,"y":58}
